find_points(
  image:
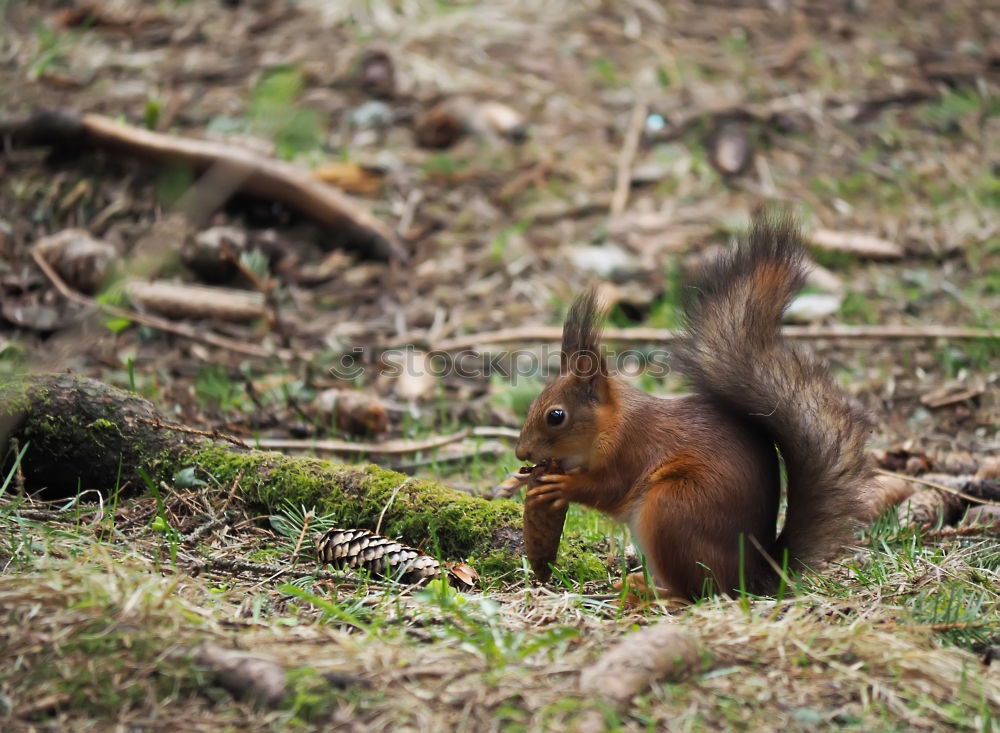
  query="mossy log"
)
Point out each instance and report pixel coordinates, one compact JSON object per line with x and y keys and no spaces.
{"x":83,"y":434}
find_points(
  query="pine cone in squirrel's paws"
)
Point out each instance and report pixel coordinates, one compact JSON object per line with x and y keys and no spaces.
{"x":543,"y":525}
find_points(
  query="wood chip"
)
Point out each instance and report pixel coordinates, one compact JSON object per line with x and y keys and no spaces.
{"x":950,"y":394}
{"x":664,"y":652}
{"x":183,"y":301}
{"x":858,"y":244}
{"x":245,"y":676}
{"x":411,"y":374}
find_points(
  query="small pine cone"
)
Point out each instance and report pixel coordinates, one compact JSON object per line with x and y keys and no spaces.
{"x":382,"y":557}
{"x":929,"y":508}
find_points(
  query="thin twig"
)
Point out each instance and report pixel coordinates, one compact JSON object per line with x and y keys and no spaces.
{"x":232,"y":492}
{"x":306,"y":520}
{"x":939,"y":487}
{"x":235,"y":169}
{"x":161,"y":324}
{"x":553,"y":334}
{"x":770,"y":561}
{"x":202,"y":530}
{"x":392,"y":498}
{"x":235,"y":565}
{"x":630,"y":145}
{"x":388,"y":446}
{"x":213,"y":434}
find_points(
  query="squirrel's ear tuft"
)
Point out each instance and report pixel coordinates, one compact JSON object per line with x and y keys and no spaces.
{"x":581,"y":340}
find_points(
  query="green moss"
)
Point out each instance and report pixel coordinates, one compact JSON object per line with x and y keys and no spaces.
{"x":419,"y":512}
{"x":310,"y":696}
{"x":103,"y":424}
{"x":267,"y":555}
{"x":13,"y":396}
{"x":578,"y":561}
{"x":500,"y":564}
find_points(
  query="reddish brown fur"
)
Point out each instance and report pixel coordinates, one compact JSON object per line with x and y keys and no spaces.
{"x":696,"y":477}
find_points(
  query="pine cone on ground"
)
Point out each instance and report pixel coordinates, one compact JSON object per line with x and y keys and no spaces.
{"x":381,"y":556}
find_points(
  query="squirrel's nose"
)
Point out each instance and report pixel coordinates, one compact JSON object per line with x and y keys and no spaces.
{"x":522,"y":453}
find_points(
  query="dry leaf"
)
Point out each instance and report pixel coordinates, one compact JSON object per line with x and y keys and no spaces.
{"x":442,"y":125}
{"x":462,"y":574}
{"x":499,"y":119}
{"x":351,"y":176}
{"x":989,"y":468}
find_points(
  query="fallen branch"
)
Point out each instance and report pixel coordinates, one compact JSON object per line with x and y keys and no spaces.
{"x":986,"y":496}
{"x":237,"y":170}
{"x":161,"y":324}
{"x":664,"y":652}
{"x":199,"y":302}
{"x":546,"y":334}
{"x":859,"y":244}
{"x":386,"y":447}
{"x":630,"y":145}
{"x":83,"y":434}
{"x":244,"y":675}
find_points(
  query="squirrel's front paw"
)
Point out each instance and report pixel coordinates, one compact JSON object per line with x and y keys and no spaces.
{"x":556,"y":488}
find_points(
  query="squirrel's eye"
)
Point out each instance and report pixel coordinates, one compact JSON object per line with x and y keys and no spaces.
{"x":556,"y":416}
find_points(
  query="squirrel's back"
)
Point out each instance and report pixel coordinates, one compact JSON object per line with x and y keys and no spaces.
{"x":734,"y":354}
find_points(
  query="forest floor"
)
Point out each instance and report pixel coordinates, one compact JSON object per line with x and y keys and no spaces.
{"x":598,"y":144}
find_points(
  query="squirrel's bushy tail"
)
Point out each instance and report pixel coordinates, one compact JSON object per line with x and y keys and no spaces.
{"x":734,"y":353}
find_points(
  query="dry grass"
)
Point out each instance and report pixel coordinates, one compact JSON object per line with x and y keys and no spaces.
{"x":104,"y":632}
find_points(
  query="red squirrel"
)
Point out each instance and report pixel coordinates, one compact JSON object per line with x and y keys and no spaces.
{"x":696,"y":478}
